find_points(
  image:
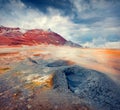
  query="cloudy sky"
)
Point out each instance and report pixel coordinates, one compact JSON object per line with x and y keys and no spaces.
{"x":92,"y":23}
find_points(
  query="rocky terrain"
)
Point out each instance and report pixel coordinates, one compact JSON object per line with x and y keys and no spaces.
{"x":45,"y":77}
{"x":40,"y":70}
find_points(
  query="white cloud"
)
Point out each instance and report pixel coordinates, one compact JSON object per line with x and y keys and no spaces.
{"x":26,"y":17}
{"x":104,"y":44}
{"x":112,"y":44}
{"x":92,"y":8}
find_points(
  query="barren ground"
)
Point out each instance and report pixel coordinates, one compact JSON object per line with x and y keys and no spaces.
{"x":34,"y":77}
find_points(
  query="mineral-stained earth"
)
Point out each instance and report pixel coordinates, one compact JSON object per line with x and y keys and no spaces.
{"x":48,"y":77}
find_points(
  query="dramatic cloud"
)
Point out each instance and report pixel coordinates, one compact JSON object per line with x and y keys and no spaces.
{"x":25,"y":17}
{"x":92,"y":23}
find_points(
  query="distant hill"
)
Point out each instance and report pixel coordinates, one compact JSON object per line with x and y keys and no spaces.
{"x":16,"y":36}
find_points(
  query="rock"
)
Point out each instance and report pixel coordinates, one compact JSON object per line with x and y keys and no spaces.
{"x":57,"y":63}
{"x":29,"y":106}
{"x":94,"y":87}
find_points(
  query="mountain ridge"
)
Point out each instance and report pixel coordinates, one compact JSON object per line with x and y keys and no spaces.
{"x":16,"y":36}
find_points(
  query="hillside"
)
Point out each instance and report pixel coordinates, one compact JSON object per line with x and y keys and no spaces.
{"x":16,"y":36}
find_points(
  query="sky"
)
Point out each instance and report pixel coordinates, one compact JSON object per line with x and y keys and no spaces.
{"x":91,"y":23}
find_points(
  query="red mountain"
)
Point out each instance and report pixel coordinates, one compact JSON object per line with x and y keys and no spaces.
{"x":14,"y":36}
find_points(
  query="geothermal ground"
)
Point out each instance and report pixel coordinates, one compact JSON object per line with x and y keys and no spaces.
{"x":48,"y":77}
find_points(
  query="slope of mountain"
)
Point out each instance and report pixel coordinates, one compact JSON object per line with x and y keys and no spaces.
{"x":14,"y":36}
{"x":70,"y":43}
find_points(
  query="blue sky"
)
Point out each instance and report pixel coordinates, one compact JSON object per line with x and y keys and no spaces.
{"x":92,"y":23}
